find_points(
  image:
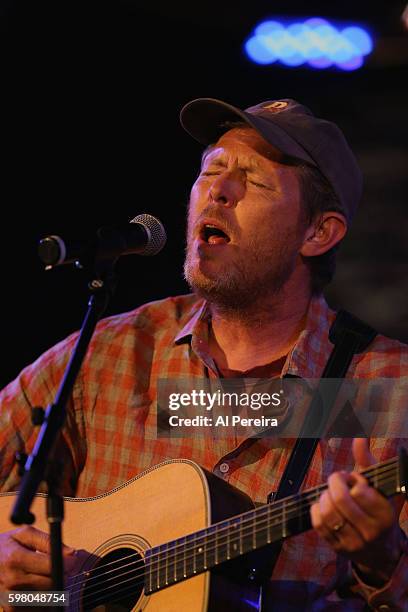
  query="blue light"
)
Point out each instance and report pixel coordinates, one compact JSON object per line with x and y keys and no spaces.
{"x":320,"y":62}
{"x":297,"y":29}
{"x":359,"y":38}
{"x":315,"y":43}
{"x":268,"y":27}
{"x":353,"y":64}
{"x":257,"y":52}
{"x":314,"y":22}
{"x":254,"y":604}
{"x":297,"y":59}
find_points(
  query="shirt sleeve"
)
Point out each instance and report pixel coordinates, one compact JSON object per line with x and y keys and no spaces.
{"x":394,"y":594}
{"x":37,"y":385}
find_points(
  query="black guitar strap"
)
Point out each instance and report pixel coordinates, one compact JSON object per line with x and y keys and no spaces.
{"x":349,"y":336}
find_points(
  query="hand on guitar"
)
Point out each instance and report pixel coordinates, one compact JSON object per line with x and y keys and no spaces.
{"x":25,"y":562}
{"x":358,"y":522}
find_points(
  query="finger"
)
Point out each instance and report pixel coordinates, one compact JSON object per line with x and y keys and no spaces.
{"x":72,"y":561}
{"x":377,"y":508}
{"x":340,"y":495}
{"x":361,"y":453}
{"x":330,"y":516}
{"x":33,"y":538}
{"x":23,"y":561}
{"x":31,"y":552}
{"x":23,"y":564}
{"x":30,"y":582}
{"x":336,"y":523}
{"x":364,"y":458}
{"x":321,"y":527}
{"x":359,"y":483}
{"x":353,"y":504}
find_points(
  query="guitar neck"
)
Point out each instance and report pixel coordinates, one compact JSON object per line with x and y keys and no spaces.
{"x":201,"y":551}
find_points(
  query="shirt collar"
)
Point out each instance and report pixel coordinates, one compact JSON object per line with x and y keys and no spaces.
{"x":311,"y":352}
{"x":308,"y":357}
{"x":196,"y":324}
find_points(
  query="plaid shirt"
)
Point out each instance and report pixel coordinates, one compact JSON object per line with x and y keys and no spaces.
{"x":110,"y":433}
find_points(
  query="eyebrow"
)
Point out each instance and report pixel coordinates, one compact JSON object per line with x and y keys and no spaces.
{"x":252,"y":166}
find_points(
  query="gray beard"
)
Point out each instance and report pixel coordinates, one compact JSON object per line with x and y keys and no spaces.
{"x":244,"y":284}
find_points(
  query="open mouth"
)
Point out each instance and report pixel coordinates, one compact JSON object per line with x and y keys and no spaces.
{"x":211,"y":234}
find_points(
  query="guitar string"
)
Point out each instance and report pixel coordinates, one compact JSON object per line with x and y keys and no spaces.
{"x":298,"y":501}
{"x":173,"y":565}
{"x":154,"y":563}
{"x":192,"y":546}
{"x":266,"y":516}
{"x":137,"y":580}
{"x":133,"y":577}
{"x":143,"y":575}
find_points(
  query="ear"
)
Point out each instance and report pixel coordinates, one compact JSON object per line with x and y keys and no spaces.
{"x":325,"y":232}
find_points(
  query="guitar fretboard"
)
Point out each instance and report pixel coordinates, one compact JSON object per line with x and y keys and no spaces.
{"x":197,"y":552}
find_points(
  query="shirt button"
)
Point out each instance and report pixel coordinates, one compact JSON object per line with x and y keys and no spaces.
{"x":224,"y":467}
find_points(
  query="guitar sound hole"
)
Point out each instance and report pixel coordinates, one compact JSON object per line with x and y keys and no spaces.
{"x":115,"y":583}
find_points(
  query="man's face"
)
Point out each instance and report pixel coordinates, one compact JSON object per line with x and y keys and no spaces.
{"x":245,"y":224}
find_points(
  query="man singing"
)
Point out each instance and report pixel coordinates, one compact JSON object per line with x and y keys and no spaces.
{"x":276,"y":193}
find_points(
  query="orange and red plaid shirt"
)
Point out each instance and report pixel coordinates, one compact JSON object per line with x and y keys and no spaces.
{"x":110,"y":433}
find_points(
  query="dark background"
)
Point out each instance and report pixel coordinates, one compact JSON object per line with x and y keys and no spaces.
{"x":90,"y":136}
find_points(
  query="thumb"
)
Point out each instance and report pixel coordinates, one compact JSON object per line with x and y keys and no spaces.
{"x":361,"y":453}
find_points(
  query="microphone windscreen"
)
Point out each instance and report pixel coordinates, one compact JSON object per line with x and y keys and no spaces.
{"x":156,"y":232}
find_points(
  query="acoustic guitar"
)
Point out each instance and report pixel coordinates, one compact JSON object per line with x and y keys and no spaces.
{"x":177,"y":538}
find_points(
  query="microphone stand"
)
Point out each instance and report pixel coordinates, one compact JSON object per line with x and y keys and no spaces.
{"x":41,"y":463}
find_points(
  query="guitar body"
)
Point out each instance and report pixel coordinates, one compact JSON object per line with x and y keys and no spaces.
{"x":164,"y":503}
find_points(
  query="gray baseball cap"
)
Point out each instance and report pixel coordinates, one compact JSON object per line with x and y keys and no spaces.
{"x":293,"y":129}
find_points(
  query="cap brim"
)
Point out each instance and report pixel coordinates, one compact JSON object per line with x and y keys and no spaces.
{"x":206,"y":119}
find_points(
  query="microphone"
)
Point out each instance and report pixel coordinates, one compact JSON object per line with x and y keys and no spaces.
{"x":143,"y":235}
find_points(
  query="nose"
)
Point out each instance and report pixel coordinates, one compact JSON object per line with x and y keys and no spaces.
{"x":228,"y":188}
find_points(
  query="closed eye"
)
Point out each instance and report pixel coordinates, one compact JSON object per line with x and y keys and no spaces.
{"x":216,"y":173}
{"x":260,"y":185}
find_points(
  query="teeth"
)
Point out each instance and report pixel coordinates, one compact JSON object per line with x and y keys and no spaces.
{"x":211,"y":232}
{"x":215,"y":227}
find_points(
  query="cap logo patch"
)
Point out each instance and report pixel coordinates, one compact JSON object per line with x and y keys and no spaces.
{"x":277,"y":106}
